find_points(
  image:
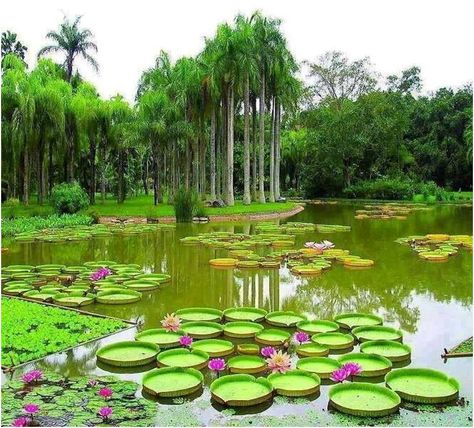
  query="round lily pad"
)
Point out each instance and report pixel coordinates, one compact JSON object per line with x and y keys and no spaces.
{"x":160,"y":336}
{"x":377,"y":332}
{"x":363,"y":399}
{"x":272,"y":337}
{"x":248,"y":349}
{"x":128,"y":353}
{"x":356,"y":319}
{"x":214,"y":347}
{"x":284,"y":318}
{"x":312,"y":350}
{"x":42,"y":296}
{"x":73,"y":299}
{"x":200,"y":314}
{"x":160,"y":277}
{"x":118,"y":296}
{"x":17,"y":290}
{"x":246,"y":364}
{"x":202,"y":329}
{"x":423,"y":385}
{"x":141,"y":284}
{"x":224,"y":262}
{"x":372,"y":364}
{"x":322,"y":366}
{"x":181,"y":357}
{"x":244,"y":329}
{"x":245,"y":314}
{"x":334,"y":340}
{"x":295,"y":383}
{"x":172,"y":381}
{"x":394,"y":351}
{"x":241,"y":390}
{"x":317,"y":326}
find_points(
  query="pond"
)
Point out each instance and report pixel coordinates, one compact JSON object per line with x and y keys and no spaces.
{"x":430,"y":302}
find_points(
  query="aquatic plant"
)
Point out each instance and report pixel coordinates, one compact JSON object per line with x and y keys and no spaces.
{"x":20,"y":422}
{"x":92,"y":382}
{"x":31,"y":409}
{"x":186,"y":341}
{"x":171,"y":322}
{"x":100,"y":273}
{"x":339,"y":375}
{"x":267,"y":351}
{"x":32,"y":376}
{"x":279,"y":362}
{"x":105,"y":412}
{"x":301,"y":337}
{"x":353,"y":369}
{"x":105,"y":393}
{"x":216,"y":365}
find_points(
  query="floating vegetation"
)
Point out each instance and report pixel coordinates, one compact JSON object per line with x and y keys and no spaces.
{"x":214,"y":347}
{"x":317,"y":326}
{"x":284,"y":318}
{"x":437,"y":247}
{"x":186,"y":358}
{"x":160,"y":336}
{"x":242,"y":329}
{"x":357,"y":319}
{"x":245,"y":314}
{"x":394,"y":351}
{"x":128,"y":353}
{"x":377,"y":332}
{"x":295,"y":383}
{"x":322,"y":366}
{"x":199,"y":314}
{"x":389,"y":211}
{"x":28,"y":330}
{"x":251,"y":364}
{"x":372,"y":365}
{"x":334,"y":340}
{"x":172,"y":381}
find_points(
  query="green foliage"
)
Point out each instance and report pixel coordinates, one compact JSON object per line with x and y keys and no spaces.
{"x":185,"y":205}
{"x":69,"y":198}
{"x":31,"y":330}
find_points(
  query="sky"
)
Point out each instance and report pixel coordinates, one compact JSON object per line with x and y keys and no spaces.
{"x":396,"y":35}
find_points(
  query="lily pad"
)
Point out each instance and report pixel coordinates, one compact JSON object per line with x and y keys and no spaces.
{"x":284,"y":318}
{"x":423,"y":385}
{"x":141,"y":284}
{"x":334,"y":340}
{"x":183,"y":358}
{"x":363,"y":399}
{"x":224,"y":262}
{"x":42,"y":296}
{"x":118,"y":296}
{"x":394,"y":351}
{"x":202,"y":329}
{"x":246,"y":364}
{"x":372,"y":364}
{"x":317,"y":326}
{"x":241,"y":390}
{"x":248,"y":349}
{"x":200,"y":314}
{"x":312,"y":350}
{"x":245,"y":314}
{"x":214,"y":347}
{"x":377,"y":332}
{"x":295,"y":383}
{"x":160,"y":336}
{"x":74,"y":299}
{"x":272,"y":337}
{"x":357,"y":319}
{"x":128,"y":353}
{"x":322,"y":366}
{"x":172,"y":381}
{"x":243,"y":329}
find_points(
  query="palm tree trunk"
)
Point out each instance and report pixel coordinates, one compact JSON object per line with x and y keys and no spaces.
{"x":41,"y":187}
{"x":156,"y":179}
{"x":246,"y":141}
{"x":196,"y":164}
{"x":120,"y":189}
{"x":102,"y":175}
{"x":272,"y":155}
{"x":187,"y":161}
{"x":145,"y":174}
{"x":277,"y":150}
{"x":26,"y":177}
{"x":230,"y":146}
{"x":213,"y":154}
{"x":254,"y":148}
{"x":92,"y":151}
{"x":50,"y":168}
{"x":261,"y":153}
{"x":202,"y":172}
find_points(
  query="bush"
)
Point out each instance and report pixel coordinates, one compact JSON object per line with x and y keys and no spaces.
{"x":69,"y":198}
{"x":186,"y":203}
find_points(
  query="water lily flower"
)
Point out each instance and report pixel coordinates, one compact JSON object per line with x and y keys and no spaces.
{"x":186,"y":341}
{"x":100,"y":274}
{"x":328,"y":244}
{"x":352,"y":369}
{"x":279,"y":362}
{"x":309,"y":244}
{"x":339,"y":375}
{"x":92,"y":382}
{"x":105,"y":412}
{"x":32,"y":376}
{"x":319,"y":246}
{"x":105,"y":393}
{"x":171,"y":322}
{"x":20,"y":422}
{"x":267,"y":351}
{"x":216,"y":364}
{"x":301,"y":337}
{"x":31,"y":408}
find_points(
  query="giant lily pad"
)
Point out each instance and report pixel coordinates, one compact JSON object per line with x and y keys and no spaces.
{"x":160,"y":336}
{"x":224,"y":262}
{"x":200,"y":314}
{"x":42,"y":296}
{"x":322,"y":366}
{"x":312,"y":350}
{"x":334,"y":340}
{"x":243,"y":329}
{"x":241,"y":390}
{"x":73,"y":299}
{"x":183,"y":358}
{"x":245,"y":314}
{"x":202,"y":329}
{"x":118,"y":296}
{"x":317,"y":326}
{"x":372,"y":364}
{"x":423,"y":385}
{"x":246,"y":364}
{"x":214,"y":347}
{"x":141,"y":284}
{"x":17,"y":290}
{"x":272,"y":337}
{"x":248,"y":349}
{"x":356,"y":319}
{"x":363,"y":399}
{"x":377,"y":332}
{"x":172,"y":381}
{"x":128,"y":353}
{"x":394,"y":351}
{"x":284,"y":318}
{"x":295,"y":383}
{"x":160,"y":277}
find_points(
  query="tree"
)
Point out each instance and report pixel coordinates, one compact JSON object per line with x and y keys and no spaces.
{"x":73,"y":42}
{"x":10,"y":45}
{"x":408,"y":82}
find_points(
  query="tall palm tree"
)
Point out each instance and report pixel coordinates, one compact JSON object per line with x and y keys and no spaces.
{"x":74,"y":42}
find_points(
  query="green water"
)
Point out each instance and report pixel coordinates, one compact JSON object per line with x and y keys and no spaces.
{"x":429,"y":302}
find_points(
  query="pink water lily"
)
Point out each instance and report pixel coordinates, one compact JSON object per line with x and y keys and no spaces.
{"x":352,"y":369}
{"x":92,"y":382}
{"x":267,"y":351}
{"x":32,"y":376}
{"x":339,"y":375}
{"x":171,"y":322}
{"x":100,"y":273}
{"x":216,"y":364}
{"x":31,"y":408}
{"x":301,"y":337}
{"x":105,"y":412}
{"x":20,"y":422}
{"x":279,"y":362}
{"x":186,"y":341}
{"x":105,"y":393}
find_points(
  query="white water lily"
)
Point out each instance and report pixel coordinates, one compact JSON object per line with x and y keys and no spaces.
{"x":327,"y":244}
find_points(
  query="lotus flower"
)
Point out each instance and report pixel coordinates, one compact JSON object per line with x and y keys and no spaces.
{"x":186,"y":341}
{"x":171,"y":322}
{"x":105,"y":412}
{"x":301,"y":337}
{"x":32,"y":376}
{"x":31,"y":408}
{"x":279,"y":362}
{"x":105,"y":393}
{"x":100,"y":274}
{"x":216,"y":364}
{"x":20,"y":422}
{"x":352,"y":369}
{"x":339,"y":375}
{"x":267,"y":351}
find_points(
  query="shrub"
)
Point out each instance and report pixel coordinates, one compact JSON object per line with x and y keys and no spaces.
{"x":69,"y":198}
{"x":185,"y":205}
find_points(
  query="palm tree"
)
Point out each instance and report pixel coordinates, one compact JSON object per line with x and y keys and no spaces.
{"x":10,"y":45}
{"x":74,"y":42}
